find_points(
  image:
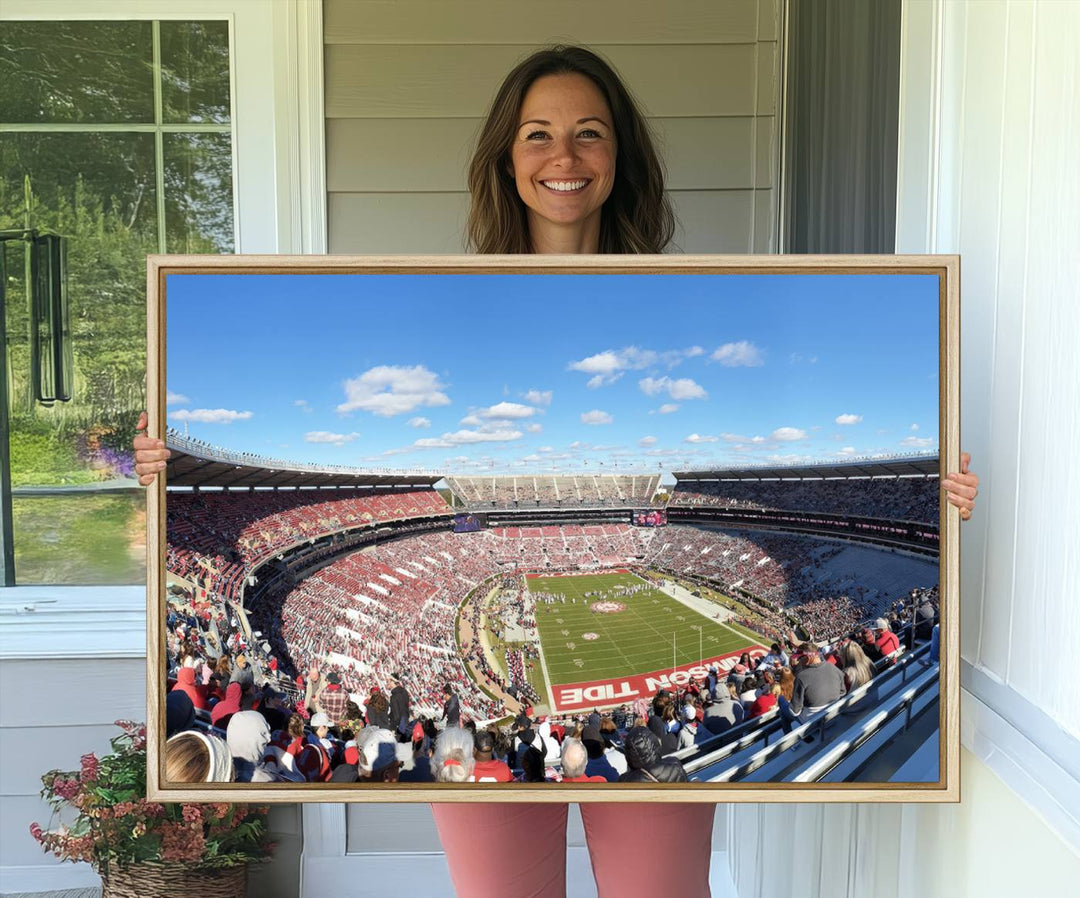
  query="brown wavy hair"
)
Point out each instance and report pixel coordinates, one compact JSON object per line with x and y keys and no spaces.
{"x":636,"y":218}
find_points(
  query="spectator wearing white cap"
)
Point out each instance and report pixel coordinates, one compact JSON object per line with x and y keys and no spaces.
{"x":692,"y":732}
{"x":380,"y":758}
{"x":887,"y":641}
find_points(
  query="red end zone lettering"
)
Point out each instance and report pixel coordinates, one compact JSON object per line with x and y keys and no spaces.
{"x":586,"y":696}
{"x":554,"y":574}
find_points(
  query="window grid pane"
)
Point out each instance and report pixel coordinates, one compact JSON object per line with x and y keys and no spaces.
{"x":118,"y":184}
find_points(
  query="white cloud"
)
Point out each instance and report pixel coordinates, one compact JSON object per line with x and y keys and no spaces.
{"x":538,"y":397}
{"x":788,"y":434}
{"x":698,"y":438}
{"x":545,"y":449}
{"x":506,"y":410}
{"x":682,"y":388}
{"x":389,"y":390}
{"x":608,"y":366}
{"x":325,"y":436}
{"x":914,"y":427}
{"x":533,"y":427}
{"x":668,"y":408}
{"x":210,"y":415}
{"x":419,"y":422}
{"x":467,"y":438}
{"x":660,"y":453}
{"x":603,"y":380}
{"x":918,"y":442}
{"x":647,"y":441}
{"x":740,"y":354}
{"x":847,"y":450}
{"x":596,"y":417}
{"x":790,"y":459}
{"x":849,"y":419}
{"x":172,"y":398}
{"x":471,"y":421}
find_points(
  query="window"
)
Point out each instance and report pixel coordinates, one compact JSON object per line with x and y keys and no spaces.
{"x":117,"y":135}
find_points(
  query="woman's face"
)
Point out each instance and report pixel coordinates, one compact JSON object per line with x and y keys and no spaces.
{"x":563,"y":155}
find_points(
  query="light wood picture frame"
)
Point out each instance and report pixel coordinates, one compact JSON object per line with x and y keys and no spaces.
{"x":841,"y":348}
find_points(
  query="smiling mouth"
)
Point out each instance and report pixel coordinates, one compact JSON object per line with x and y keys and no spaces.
{"x":566,"y":186}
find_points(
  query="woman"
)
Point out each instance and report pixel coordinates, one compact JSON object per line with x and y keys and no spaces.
{"x":858,"y":671}
{"x":454,"y":760}
{"x":565,"y":164}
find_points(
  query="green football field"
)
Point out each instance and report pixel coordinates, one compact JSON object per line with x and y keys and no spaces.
{"x":636,"y":640}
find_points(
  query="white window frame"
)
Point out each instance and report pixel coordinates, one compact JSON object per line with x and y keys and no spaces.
{"x":279,"y":196}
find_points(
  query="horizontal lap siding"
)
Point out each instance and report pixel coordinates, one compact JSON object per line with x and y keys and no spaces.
{"x":55,"y":711}
{"x":522,"y":22}
{"x":408,"y":84}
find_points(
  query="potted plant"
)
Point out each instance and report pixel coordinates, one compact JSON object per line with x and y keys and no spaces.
{"x":143,"y":848}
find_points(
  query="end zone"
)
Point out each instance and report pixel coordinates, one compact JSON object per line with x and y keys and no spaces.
{"x":571,"y":697}
{"x":553,"y":574}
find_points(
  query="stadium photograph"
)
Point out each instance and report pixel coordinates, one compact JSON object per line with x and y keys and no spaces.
{"x":522,"y":529}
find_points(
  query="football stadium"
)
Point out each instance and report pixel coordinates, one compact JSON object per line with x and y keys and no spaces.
{"x":723,"y":555}
{"x":561,"y":603}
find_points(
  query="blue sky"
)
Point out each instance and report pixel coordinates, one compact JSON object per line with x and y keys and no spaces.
{"x":505,"y":373}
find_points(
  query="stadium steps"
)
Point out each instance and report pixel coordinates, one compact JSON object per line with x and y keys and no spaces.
{"x":921,"y":736}
{"x":756,"y":745}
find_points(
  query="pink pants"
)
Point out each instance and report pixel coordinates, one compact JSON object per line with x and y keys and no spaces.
{"x":640,"y":849}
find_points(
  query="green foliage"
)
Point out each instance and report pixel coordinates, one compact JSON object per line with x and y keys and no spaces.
{"x":116,"y":825}
{"x":100,"y":191}
{"x":81,"y":539}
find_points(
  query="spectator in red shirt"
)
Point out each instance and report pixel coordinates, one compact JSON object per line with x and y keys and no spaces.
{"x":765,"y":702}
{"x":887,"y":641}
{"x":486,"y":769}
{"x":185,"y":682}
{"x":225,"y":709}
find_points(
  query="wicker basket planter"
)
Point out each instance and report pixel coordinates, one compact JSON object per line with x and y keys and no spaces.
{"x":151,"y":880}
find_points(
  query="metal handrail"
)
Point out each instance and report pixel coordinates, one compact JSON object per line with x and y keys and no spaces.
{"x":698,"y":760}
{"x":818,"y":721}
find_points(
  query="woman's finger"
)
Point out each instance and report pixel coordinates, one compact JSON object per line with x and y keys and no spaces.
{"x":969,"y":491}
{"x":960,"y":501}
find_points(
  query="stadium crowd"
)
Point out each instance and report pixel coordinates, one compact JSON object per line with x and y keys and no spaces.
{"x":893,"y":498}
{"x":250,"y":732}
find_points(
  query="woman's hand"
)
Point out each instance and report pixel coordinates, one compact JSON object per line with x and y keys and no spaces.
{"x":962,"y":488}
{"x":150,"y":454}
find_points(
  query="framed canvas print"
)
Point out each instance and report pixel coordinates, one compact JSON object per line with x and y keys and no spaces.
{"x":553,"y":529}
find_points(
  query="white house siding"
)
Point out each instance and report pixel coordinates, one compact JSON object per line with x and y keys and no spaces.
{"x":408,"y":84}
{"x":53,"y":711}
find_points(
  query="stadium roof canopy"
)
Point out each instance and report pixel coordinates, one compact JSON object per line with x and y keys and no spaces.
{"x":901,"y":466}
{"x":193,"y":463}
